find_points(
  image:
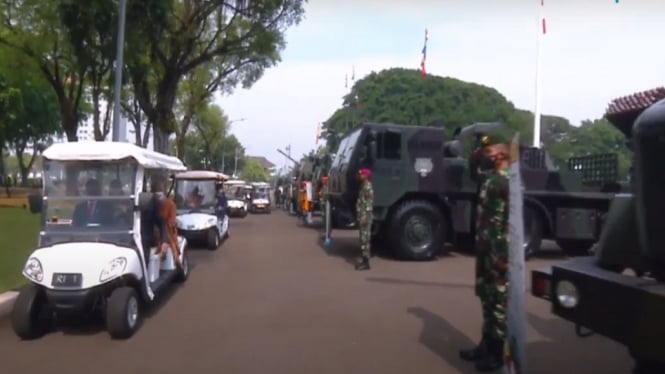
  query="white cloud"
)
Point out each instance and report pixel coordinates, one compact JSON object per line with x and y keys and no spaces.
{"x":594,"y":52}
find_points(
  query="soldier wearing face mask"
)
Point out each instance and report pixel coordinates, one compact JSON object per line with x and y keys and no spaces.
{"x":491,"y":164}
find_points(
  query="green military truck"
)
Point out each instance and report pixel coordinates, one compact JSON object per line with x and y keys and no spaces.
{"x":424,"y":196}
{"x":620,"y":292}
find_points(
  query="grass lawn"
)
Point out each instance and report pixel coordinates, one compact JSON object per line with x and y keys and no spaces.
{"x":19,"y":230}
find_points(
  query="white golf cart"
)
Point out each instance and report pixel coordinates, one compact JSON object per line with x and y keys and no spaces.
{"x":261,"y":201}
{"x":196,"y":199}
{"x":90,"y":256}
{"x":238,"y":206}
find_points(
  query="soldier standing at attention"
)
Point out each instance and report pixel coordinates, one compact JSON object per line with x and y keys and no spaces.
{"x":491,"y":251}
{"x":323,"y":196}
{"x":364,"y":207}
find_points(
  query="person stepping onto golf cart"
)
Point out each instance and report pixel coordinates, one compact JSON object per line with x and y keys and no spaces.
{"x":163,"y":215}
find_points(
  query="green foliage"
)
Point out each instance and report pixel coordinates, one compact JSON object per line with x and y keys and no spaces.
{"x":20,"y":231}
{"x":402,"y":96}
{"x":253,"y":171}
{"x":208,"y":145}
{"x":235,"y":41}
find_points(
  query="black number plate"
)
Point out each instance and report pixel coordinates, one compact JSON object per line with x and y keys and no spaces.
{"x":66,"y":280}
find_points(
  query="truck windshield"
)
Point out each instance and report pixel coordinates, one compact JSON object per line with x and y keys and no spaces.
{"x":89,"y":196}
{"x":345,"y":149}
{"x":195,"y":194}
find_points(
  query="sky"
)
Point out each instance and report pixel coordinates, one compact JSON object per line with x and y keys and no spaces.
{"x":593,"y":52}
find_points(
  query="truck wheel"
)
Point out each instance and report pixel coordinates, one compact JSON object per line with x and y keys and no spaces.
{"x":418,"y":230}
{"x":213,"y":239}
{"x":122,"y":313}
{"x":31,"y":316}
{"x":572,"y":247}
{"x":533,"y":231}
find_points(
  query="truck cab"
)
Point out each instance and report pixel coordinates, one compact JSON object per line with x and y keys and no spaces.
{"x":620,"y":292}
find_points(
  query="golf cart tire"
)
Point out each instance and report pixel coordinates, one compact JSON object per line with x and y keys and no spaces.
{"x":398,"y":232}
{"x":212,"y":239}
{"x":30,"y":317}
{"x":183,"y":273}
{"x":117,"y":306}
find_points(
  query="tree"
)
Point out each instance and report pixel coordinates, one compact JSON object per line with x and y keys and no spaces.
{"x":34,"y":29}
{"x":253,"y":171}
{"x":92,"y":33}
{"x":35,"y":113}
{"x":401,"y":96}
{"x":236,"y":40}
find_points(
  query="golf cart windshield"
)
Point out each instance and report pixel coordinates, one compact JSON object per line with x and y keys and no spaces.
{"x":88,"y":196}
{"x":345,"y":149}
{"x":195,"y":195}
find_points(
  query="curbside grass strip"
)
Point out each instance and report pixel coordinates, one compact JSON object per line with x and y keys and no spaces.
{"x":7,"y":303}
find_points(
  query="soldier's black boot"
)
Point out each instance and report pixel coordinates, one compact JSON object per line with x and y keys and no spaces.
{"x":476,"y":353}
{"x":493,"y":360}
{"x":363,"y":264}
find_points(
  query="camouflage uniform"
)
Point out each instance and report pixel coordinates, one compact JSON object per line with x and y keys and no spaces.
{"x":322,"y":203}
{"x":364,"y":207}
{"x":492,"y":249}
{"x":492,"y":252}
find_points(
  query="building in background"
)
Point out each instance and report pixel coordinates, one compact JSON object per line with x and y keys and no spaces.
{"x":269,"y":166}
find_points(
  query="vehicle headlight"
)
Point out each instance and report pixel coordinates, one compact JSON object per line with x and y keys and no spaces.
{"x":33,"y":270}
{"x":114,"y":268}
{"x":567,"y":294}
{"x":212,"y":221}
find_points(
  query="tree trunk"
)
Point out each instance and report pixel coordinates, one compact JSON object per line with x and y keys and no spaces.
{"x":160,"y":140}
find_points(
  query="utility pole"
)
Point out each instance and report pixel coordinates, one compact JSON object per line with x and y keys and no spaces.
{"x":235,"y":164}
{"x":116,"y":134}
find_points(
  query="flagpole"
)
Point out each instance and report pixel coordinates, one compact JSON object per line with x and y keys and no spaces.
{"x":539,"y":78}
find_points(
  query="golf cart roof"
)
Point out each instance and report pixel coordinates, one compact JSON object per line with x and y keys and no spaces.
{"x":235,"y":181}
{"x":260,"y":184}
{"x":202,"y":174}
{"x":111,"y":151}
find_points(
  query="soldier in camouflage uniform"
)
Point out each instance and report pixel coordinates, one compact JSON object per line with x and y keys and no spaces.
{"x":364,"y":207}
{"x":491,"y":250}
{"x":323,"y":199}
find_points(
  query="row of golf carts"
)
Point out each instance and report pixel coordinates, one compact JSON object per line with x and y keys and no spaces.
{"x":246,"y":197}
{"x":93,"y":254}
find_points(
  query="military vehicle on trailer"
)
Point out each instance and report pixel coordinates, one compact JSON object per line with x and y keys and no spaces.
{"x":620,"y":292}
{"x":424,"y":195}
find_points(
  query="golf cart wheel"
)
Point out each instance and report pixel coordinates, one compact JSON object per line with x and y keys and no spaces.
{"x":31,"y":316}
{"x":243,"y":214}
{"x":183,"y":273}
{"x":213,"y":239}
{"x":418,"y":230}
{"x":123,"y":313}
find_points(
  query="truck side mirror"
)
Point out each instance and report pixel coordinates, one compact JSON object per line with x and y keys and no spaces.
{"x":36,"y":203}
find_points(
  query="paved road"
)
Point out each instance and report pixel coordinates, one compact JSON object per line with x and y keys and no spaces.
{"x":271,"y":301}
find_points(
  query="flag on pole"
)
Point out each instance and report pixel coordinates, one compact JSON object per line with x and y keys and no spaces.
{"x":318,"y":133}
{"x":346,"y":81}
{"x":542,"y":12}
{"x":423,"y":70}
{"x":353,"y":73}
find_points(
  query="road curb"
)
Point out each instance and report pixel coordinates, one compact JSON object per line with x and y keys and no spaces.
{"x":7,"y":303}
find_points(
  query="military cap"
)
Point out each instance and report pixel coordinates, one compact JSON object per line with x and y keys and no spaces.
{"x":493,"y":139}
